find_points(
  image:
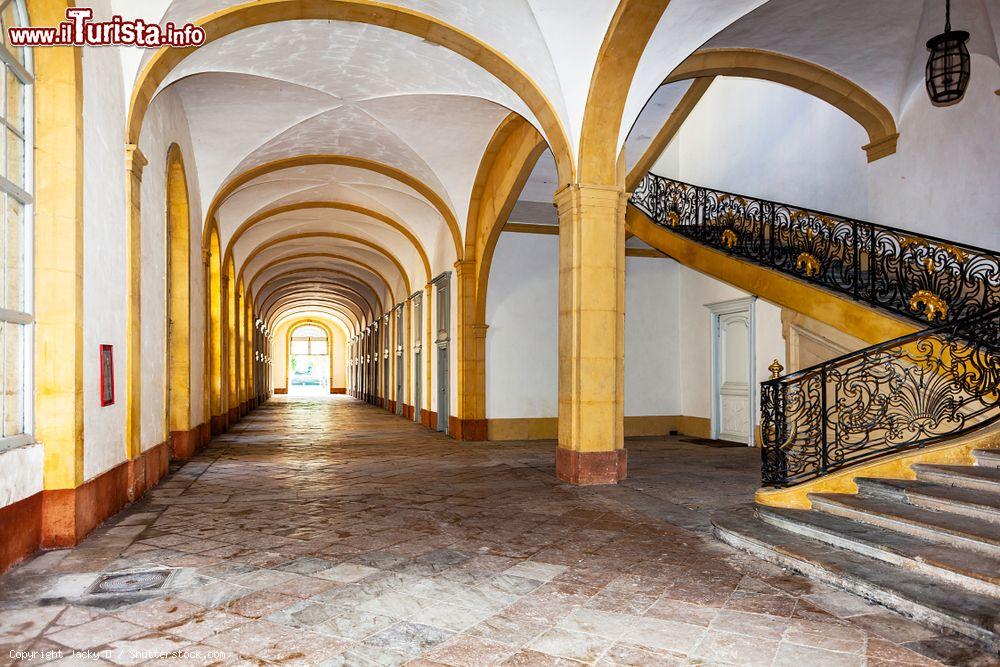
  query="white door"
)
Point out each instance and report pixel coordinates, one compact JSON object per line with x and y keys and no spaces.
{"x":732,"y":368}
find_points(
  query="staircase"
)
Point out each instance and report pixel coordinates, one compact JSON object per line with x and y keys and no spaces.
{"x":927,"y":548}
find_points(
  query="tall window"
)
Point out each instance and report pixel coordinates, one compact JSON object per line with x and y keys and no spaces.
{"x":309,"y":360}
{"x":16,"y":239}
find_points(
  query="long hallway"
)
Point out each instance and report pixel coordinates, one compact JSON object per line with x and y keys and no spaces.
{"x":326,"y":531}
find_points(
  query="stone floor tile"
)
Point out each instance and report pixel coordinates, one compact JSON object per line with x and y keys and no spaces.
{"x":660,"y":635}
{"x":150,"y":647}
{"x":794,"y":655}
{"x":572,"y":645}
{"x":159,"y":612}
{"x":203,"y":625}
{"x":726,"y":647}
{"x":354,"y":625}
{"x":18,"y":626}
{"x":346,"y":572}
{"x":98,"y":632}
{"x":535,"y":570}
{"x":627,"y":655}
{"x":528,"y":658}
{"x":409,"y":638}
{"x":469,"y":651}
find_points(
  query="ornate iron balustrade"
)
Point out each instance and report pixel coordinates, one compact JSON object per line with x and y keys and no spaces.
{"x":900,"y":395}
{"x":921,"y":277}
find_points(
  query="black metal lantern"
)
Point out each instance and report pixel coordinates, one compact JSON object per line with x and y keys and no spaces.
{"x":948,"y":65}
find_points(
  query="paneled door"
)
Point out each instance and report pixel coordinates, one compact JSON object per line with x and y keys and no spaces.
{"x":733,"y":371}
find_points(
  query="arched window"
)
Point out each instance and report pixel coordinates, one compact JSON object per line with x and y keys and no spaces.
{"x":309,"y":339}
{"x":16,"y":301}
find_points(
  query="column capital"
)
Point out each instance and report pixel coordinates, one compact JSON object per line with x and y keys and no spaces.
{"x":206,"y":256}
{"x":135,"y":160}
{"x":479,"y":330}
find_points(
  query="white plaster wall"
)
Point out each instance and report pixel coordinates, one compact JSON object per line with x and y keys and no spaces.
{"x":771,"y":141}
{"x":944,"y":179}
{"x":522,"y":311}
{"x":767,"y":140}
{"x":166,"y":124}
{"x":652,"y":357}
{"x":697,"y":291}
{"x":104,"y":279}
{"x":22,"y":473}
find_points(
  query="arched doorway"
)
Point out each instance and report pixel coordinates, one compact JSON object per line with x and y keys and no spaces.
{"x":309,"y":361}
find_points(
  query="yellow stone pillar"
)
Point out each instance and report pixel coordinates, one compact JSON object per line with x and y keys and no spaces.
{"x":134,"y":163}
{"x":58,"y":264}
{"x":591,"y":334}
{"x":224,"y":343}
{"x":471,"y":353}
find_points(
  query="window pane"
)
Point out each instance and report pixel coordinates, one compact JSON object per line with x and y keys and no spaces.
{"x":15,"y":158}
{"x":13,"y":395}
{"x":317,"y":346}
{"x":300,"y":346}
{"x":14,"y":108}
{"x":13,"y":296}
{"x":9,"y":19}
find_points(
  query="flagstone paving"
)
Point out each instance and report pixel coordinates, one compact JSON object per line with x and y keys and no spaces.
{"x":327,"y":532}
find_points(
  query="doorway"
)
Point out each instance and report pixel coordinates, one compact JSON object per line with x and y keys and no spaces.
{"x":309,"y":361}
{"x":733,"y":381}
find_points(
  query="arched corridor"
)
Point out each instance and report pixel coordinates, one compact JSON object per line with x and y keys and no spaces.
{"x":326,"y":531}
{"x":472,"y":332}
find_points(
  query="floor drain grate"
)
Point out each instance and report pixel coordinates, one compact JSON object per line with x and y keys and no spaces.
{"x":130,"y":582}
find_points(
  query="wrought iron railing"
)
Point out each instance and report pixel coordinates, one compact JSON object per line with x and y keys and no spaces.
{"x":921,"y":277}
{"x":900,"y":395}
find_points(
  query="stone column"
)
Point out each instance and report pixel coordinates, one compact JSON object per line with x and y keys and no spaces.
{"x":134,"y":163}
{"x":591,"y":334}
{"x":471,"y":355}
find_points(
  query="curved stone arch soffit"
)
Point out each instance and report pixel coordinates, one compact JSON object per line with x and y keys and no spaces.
{"x":314,"y":311}
{"x":281,"y":310}
{"x":267,"y":214}
{"x":313,"y":282}
{"x":365,"y":164}
{"x":271,"y":243}
{"x":515,"y":142}
{"x":319,"y":287}
{"x":324,"y":270}
{"x":295,"y":320}
{"x":260,"y":12}
{"x":805,"y":76}
{"x":326,"y":255}
{"x":624,"y":42}
{"x":319,"y":299}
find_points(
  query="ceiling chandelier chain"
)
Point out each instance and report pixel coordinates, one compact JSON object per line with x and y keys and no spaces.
{"x":948,"y":66}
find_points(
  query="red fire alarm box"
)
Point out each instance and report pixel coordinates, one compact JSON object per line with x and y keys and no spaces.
{"x":107,"y":375}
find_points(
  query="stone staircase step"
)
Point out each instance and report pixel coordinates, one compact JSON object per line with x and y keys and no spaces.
{"x":987,"y":457}
{"x":982,"y":478}
{"x":914,"y":594}
{"x":967,"y":502}
{"x":944,"y":563}
{"x":959,"y":531}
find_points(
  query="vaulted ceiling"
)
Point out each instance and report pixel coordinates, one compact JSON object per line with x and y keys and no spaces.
{"x":338,"y":157}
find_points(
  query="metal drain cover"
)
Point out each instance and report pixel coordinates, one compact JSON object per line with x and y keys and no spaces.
{"x":130,"y":582}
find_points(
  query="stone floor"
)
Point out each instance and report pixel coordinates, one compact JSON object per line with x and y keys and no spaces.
{"x":327,"y":532}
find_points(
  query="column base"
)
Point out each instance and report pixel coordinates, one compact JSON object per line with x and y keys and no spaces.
{"x":590,"y":468}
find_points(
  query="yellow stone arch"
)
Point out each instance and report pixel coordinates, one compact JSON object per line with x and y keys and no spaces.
{"x":334,"y":272}
{"x":346,"y":161}
{"x":261,"y":12}
{"x":329,"y":235}
{"x":178,"y":304}
{"x":806,"y":76}
{"x":267,"y":214}
{"x":326,"y":255}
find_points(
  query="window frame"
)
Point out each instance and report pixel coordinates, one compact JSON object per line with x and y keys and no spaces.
{"x":25,"y":318}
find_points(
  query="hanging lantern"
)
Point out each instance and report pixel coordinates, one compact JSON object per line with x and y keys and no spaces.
{"x":948,"y":65}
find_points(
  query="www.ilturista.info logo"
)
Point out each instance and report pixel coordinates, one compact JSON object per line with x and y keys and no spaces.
{"x":79,"y":30}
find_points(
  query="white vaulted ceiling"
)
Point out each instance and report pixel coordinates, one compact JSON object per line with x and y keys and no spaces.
{"x":371,"y":94}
